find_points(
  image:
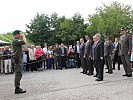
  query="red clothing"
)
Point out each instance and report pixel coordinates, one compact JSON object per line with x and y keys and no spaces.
{"x":39,"y":53}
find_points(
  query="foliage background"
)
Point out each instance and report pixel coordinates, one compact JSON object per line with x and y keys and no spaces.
{"x":52,"y":29}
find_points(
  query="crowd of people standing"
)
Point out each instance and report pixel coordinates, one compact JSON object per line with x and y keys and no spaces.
{"x":89,"y":55}
{"x":96,"y":53}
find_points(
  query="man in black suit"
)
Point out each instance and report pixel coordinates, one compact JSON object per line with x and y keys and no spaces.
{"x":97,"y":56}
{"x":116,"y":56}
{"x":87,"y":56}
{"x":62,"y":54}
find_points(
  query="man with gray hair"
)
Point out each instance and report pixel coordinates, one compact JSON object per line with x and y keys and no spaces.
{"x":98,"y":56}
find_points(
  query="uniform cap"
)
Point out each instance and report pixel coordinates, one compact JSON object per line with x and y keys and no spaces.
{"x":16,"y":32}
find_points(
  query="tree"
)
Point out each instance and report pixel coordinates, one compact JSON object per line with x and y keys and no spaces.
{"x":79,"y":26}
{"x":39,"y":29}
{"x":109,"y":19}
{"x":8,"y":37}
{"x":54,"y":27}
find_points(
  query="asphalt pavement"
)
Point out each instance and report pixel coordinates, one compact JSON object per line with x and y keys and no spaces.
{"x":68,"y":84}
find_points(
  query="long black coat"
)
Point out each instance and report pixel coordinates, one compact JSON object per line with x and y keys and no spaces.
{"x":98,"y":51}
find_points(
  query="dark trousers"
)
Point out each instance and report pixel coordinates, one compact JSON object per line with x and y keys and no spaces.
{"x":88,"y":66}
{"x":83,"y":64}
{"x":44,"y":63}
{"x":63,"y":62}
{"x":28,"y":66}
{"x":32,"y":65}
{"x":118,"y":60}
{"x":18,"y":71}
{"x":24,"y":67}
{"x":49,"y":63}
{"x":108,"y":62}
{"x":56,"y":62}
{"x":99,"y":68}
{"x":126,"y":64}
{"x":39,"y":63}
{"x":78,"y":61}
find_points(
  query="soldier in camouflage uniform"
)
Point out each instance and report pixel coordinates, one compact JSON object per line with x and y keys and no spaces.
{"x":19,"y":40}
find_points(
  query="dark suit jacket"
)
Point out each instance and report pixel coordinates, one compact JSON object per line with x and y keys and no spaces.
{"x":108,"y":48}
{"x":98,"y":50}
{"x":60,"y":52}
{"x":82,"y":47}
{"x":126,"y":44}
{"x":88,"y":49}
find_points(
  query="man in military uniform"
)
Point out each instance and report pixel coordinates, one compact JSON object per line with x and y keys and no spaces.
{"x":108,"y":49}
{"x":125,"y":52}
{"x":18,"y":57}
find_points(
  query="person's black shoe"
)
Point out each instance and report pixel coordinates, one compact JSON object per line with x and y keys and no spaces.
{"x":81,"y":72}
{"x":107,"y":72}
{"x":19,"y":90}
{"x":124,"y":75}
{"x":11,"y":73}
{"x":95,"y":76}
{"x":99,"y":79}
{"x":129,"y":75}
{"x":90,"y":74}
{"x":84,"y":73}
{"x":110,"y":72}
{"x":113,"y":68}
{"x":87,"y":73}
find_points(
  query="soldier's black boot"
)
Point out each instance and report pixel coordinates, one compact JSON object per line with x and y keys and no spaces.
{"x":19,"y":90}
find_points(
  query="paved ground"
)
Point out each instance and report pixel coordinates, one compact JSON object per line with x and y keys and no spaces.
{"x":68,"y":85}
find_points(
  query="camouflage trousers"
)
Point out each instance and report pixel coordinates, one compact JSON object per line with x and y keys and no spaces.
{"x":18,"y":71}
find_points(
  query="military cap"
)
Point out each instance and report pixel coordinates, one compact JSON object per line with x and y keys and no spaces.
{"x":16,"y":32}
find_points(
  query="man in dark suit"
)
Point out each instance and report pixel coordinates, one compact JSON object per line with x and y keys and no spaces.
{"x":125,"y":52}
{"x":77,"y":52}
{"x":116,"y":56}
{"x":81,"y":54}
{"x":62,"y":54}
{"x":97,"y":56}
{"x":108,"y":50}
{"x":87,"y":56}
